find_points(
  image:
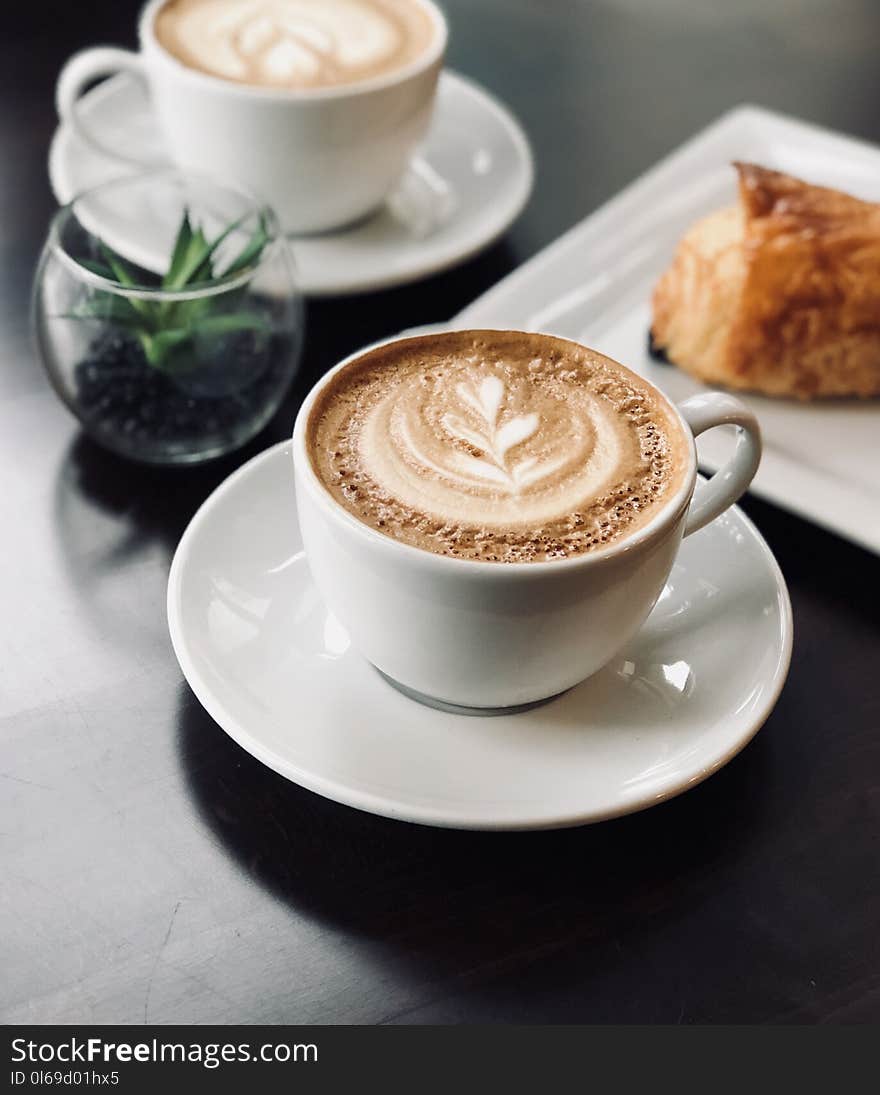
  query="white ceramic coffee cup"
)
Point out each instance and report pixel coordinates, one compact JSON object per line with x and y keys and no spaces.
{"x":320,"y":157}
{"x":496,"y":635}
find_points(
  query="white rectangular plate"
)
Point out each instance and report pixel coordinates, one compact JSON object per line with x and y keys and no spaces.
{"x":594,"y":285}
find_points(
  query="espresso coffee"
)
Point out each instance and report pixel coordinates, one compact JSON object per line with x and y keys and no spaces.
{"x":499,"y":446}
{"x":296,"y":44}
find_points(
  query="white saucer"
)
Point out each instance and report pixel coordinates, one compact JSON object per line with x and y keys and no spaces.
{"x":470,"y":180}
{"x":276,"y":671}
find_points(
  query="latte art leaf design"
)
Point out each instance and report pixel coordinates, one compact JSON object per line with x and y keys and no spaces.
{"x":298,"y":43}
{"x":493,"y":440}
{"x":279,"y":45}
{"x":499,"y":446}
{"x":492,"y":445}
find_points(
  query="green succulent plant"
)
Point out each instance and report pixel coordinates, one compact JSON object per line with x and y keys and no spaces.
{"x":166,"y":329}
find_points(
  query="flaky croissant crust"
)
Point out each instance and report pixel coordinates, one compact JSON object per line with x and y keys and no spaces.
{"x":778,"y":294}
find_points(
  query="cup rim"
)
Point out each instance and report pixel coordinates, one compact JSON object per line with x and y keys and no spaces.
{"x":210,"y":288}
{"x":669,"y":513}
{"x":422,"y":63}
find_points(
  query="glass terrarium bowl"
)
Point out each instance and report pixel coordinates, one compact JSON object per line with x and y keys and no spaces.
{"x":167,"y":315}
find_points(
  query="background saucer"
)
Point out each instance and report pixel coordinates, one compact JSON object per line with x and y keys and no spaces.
{"x":276,"y":671}
{"x":470,"y":180}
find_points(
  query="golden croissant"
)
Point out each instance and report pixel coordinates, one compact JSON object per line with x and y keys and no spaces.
{"x":778,"y":294}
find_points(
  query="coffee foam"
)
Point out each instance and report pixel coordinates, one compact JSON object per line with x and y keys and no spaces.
{"x":500,"y":446}
{"x":294,"y":43}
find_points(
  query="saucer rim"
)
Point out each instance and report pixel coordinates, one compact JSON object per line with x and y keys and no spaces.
{"x":64,"y":192}
{"x":450,"y":818}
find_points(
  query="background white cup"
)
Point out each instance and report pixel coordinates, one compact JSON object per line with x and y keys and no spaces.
{"x":320,"y":157}
{"x":494,"y":635}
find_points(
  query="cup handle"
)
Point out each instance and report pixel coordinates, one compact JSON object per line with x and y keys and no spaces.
{"x":80,"y":70}
{"x":703,"y":412}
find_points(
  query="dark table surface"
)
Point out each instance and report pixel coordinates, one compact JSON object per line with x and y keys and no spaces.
{"x":153,"y":871}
